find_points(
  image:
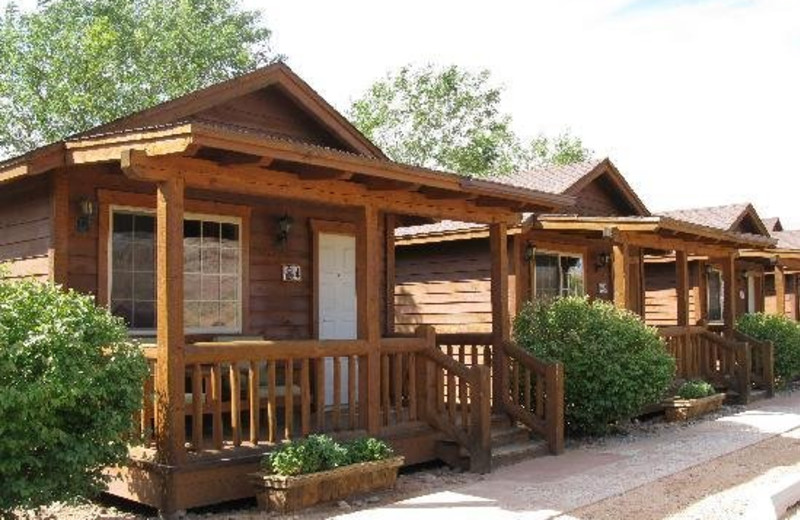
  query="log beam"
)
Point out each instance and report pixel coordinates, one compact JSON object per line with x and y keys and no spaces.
{"x":170,"y":372}
{"x":60,"y":226}
{"x":368,"y":288}
{"x":619,"y":270}
{"x":780,"y":291}
{"x":682,"y":286}
{"x":729,"y":281}
{"x":501,"y":330}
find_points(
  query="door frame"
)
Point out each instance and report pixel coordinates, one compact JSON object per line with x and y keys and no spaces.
{"x":330,"y":227}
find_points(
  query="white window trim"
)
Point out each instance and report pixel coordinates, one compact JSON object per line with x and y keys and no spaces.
{"x":559,"y":254}
{"x":720,"y":321}
{"x":222,"y":219}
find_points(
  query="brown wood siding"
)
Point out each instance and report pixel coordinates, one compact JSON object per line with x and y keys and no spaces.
{"x":600,"y":198}
{"x":770,"y":303}
{"x":661,"y":295}
{"x":270,"y":110}
{"x":448,"y":286}
{"x":277,"y":309}
{"x":25,"y":228}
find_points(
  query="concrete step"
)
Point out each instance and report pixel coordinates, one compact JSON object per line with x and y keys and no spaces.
{"x":511,"y":453}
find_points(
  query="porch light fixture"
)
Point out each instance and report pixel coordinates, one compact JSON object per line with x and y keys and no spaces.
{"x":603,"y":260}
{"x":86,"y":212}
{"x":284,"y":226}
{"x":530,"y":252}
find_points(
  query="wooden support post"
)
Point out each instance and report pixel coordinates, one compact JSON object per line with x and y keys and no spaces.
{"x":702,"y":292}
{"x":620,"y":274}
{"x":682,"y":287}
{"x":555,"y":407}
{"x":731,"y":294}
{"x":368,"y":288}
{"x":519,"y":288}
{"x":60,"y":227}
{"x":780,"y":291}
{"x":170,"y":373}
{"x":481,"y":432}
{"x":501,"y":327}
{"x":391,"y":224}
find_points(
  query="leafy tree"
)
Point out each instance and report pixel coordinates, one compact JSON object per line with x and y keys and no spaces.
{"x":70,"y":383}
{"x":450,"y":118}
{"x":73,"y":64}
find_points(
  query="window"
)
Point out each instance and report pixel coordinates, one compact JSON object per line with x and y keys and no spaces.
{"x":558,"y":275}
{"x":212,"y":280}
{"x":716,"y":290}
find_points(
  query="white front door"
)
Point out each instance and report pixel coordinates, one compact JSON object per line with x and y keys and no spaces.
{"x":337,"y":299}
{"x":751,"y":294}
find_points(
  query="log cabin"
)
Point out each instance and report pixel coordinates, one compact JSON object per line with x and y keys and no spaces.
{"x":606,"y":249}
{"x":245,"y":233}
{"x":782,"y":278}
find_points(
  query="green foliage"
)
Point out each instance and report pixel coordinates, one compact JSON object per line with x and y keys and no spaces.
{"x":613,"y":363}
{"x":367,"y":449}
{"x":320,"y":453}
{"x":73,"y":64}
{"x":784,"y":334}
{"x":450,"y":118}
{"x":70,"y":383}
{"x":695,"y":389}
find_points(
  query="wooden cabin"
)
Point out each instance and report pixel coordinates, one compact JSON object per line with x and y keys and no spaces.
{"x":443,"y":269}
{"x":753,"y":277}
{"x":609,"y":248}
{"x":245,"y":232}
{"x":783,"y":275}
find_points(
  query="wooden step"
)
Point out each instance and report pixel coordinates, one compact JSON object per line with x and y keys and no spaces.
{"x":509,"y":444}
{"x":517,"y":452}
{"x":505,"y":435}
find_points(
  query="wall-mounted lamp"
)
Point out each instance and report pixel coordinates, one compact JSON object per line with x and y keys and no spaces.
{"x":86,"y":212}
{"x":602,"y":261}
{"x":284,"y":226}
{"x":530,"y":252}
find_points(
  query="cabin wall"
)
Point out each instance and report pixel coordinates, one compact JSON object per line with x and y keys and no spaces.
{"x":25,"y":228}
{"x":277,"y":309}
{"x":661,"y":294}
{"x":599,"y":199}
{"x":446,"y":285}
{"x":770,"y":302}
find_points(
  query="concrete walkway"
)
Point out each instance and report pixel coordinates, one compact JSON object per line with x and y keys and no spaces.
{"x":551,"y":487}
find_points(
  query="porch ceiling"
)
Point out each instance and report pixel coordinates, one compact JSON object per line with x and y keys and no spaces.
{"x":225,"y":152}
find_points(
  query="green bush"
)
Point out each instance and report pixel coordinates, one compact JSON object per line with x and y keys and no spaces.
{"x":784,"y":334}
{"x":320,"y":453}
{"x":695,"y":389}
{"x":613,"y":363}
{"x":70,"y":383}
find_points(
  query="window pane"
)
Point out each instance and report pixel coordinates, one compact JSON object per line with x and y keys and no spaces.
{"x":209,"y":314}
{"x":211,"y":232}
{"x":191,"y":287}
{"x":144,"y":226}
{"x":230,"y":235}
{"x":143,"y":255}
{"x":191,"y":233}
{"x":210,"y":288}
{"x":572,"y":279}
{"x":547,"y":277}
{"x":123,"y":225}
{"x":122,"y":285}
{"x":144,"y":315}
{"x":227,"y":314}
{"x":121,"y":254}
{"x":191,"y":315}
{"x":229,"y":288}
{"x":714,"y":296}
{"x":229,"y":262}
{"x":191,"y":259}
{"x":144,"y":286}
{"x":210,"y":258}
{"x":123,"y":309}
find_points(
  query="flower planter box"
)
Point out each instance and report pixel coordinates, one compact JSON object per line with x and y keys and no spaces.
{"x":683,"y":409}
{"x":286,"y":494}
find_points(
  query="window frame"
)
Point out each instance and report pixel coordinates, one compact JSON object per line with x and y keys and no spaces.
{"x":721,"y":300}
{"x":238,"y":220}
{"x":559,"y":255}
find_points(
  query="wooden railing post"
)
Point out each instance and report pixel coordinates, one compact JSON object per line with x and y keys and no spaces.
{"x":555,"y":407}
{"x":768,"y":351}
{"x":368,"y":289}
{"x":744,"y":361}
{"x":498,"y":239}
{"x":424,"y":383}
{"x":481,"y":419}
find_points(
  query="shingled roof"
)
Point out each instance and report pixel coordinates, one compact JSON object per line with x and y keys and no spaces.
{"x":551,"y":179}
{"x":727,"y":218}
{"x":773,"y":224}
{"x":788,"y":239}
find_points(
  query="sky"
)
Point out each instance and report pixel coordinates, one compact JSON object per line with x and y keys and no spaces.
{"x":697,"y":102}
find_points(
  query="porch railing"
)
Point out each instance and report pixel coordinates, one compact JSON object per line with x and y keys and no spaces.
{"x":762,"y":362}
{"x":700,"y":353}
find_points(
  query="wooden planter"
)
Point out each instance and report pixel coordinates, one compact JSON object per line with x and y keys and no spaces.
{"x":286,"y":494}
{"x":683,"y":409}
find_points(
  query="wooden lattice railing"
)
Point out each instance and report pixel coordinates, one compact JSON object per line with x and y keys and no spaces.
{"x":700,"y":353}
{"x":536,"y":395}
{"x":762,"y":362}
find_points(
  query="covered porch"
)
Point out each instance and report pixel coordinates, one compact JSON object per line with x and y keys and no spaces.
{"x":688,"y":280}
{"x":223,"y":390}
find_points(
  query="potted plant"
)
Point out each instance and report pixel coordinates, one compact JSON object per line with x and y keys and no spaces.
{"x":318,"y":469}
{"x":693,"y":398}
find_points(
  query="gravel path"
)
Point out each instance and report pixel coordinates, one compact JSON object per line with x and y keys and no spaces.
{"x":711,"y":468}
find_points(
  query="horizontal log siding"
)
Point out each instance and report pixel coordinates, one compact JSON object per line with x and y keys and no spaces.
{"x":25,"y":228}
{"x":446,"y":285}
{"x":278,"y":310}
{"x":661,"y":297}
